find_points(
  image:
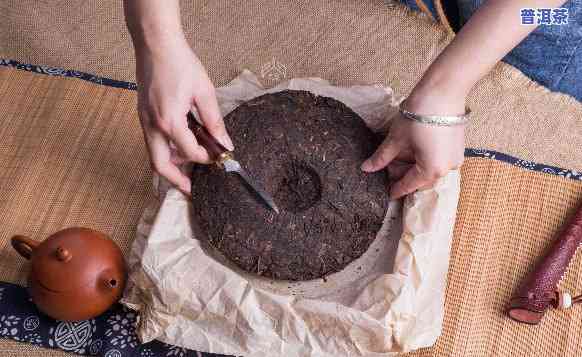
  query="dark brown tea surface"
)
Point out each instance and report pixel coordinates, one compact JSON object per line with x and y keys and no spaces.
{"x":305,"y":150}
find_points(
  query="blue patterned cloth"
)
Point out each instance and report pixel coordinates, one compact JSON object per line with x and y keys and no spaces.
{"x":113,"y":333}
{"x":551,"y":55}
{"x":469,"y":152}
{"x":110,"y":335}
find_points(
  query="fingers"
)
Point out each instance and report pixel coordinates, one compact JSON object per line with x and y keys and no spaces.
{"x":187,"y":144}
{"x":412,"y":180}
{"x":207,"y":107}
{"x":160,"y":157}
{"x":387,"y":151}
{"x":174,"y":127}
{"x":397,"y":169}
{"x":417,"y":178}
{"x":176,"y":158}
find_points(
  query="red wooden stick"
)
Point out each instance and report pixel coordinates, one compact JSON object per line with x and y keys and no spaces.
{"x":539,"y":290}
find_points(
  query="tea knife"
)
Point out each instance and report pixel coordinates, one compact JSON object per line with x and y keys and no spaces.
{"x":225,"y":159}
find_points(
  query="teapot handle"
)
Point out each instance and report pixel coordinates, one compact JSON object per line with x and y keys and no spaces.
{"x":24,"y":245}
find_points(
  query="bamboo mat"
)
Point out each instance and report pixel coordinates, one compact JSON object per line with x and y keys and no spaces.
{"x":71,"y":153}
{"x":343,"y":41}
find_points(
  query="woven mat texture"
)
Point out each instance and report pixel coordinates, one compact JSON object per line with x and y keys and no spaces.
{"x":71,"y":153}
{"x":345,"y":41}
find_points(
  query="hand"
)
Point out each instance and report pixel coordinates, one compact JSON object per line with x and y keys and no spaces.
{"x":417,"y":155}
{"x":170,"y":81}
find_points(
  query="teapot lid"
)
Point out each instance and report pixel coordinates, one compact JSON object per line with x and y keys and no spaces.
{"x":77,"y":258}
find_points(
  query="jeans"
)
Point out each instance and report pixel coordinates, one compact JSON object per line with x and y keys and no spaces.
{"x":551,"y":55}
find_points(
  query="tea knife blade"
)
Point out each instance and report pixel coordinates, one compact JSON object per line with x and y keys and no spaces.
{"x":225,"y":159}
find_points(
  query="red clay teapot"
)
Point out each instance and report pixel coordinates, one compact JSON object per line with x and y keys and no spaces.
{"x":76,"y":273}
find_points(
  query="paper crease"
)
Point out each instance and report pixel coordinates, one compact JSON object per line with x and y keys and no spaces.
{"x":192,"y":297}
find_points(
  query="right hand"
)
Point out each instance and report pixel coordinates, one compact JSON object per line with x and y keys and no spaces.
{"x":170,"y":81}
{"x":417,"y":155}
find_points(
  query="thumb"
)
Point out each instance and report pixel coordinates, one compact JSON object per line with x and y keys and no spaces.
{"x":207,"y":107}
{"x":385,"y":153}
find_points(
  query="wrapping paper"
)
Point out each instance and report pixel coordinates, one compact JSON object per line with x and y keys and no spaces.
{"x":389,"y":300}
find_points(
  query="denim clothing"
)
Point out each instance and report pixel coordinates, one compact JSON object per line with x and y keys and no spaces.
{"x":551,"y":55}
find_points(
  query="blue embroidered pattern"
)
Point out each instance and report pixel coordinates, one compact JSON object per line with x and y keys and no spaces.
{"x":110,"y":335}
{"x":113,"y":333}
{"x":52,"y":71}
{"x":524,"y":164}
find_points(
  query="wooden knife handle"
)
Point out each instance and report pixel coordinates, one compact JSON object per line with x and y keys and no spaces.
{"x":214,"y":148}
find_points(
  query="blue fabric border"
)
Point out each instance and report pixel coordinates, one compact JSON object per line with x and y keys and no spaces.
{"x":54,"y":71}
{"x":111,"y":334}
{"x":524,"y":164}
{"x":469,"y":152}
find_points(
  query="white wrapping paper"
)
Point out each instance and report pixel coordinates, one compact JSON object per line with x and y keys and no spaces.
{"x":389,"y":300}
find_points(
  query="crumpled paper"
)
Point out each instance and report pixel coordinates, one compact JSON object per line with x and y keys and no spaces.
{"x":389,"y":300}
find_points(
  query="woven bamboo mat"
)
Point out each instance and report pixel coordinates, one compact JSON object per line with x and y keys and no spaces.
{"x":71,"y":153}
{"x":344,"y":41}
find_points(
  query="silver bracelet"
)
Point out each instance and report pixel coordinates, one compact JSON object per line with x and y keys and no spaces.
{"x":439,"y":120}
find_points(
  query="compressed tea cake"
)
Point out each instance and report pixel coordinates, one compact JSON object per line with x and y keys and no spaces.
{"x":306,"y":151}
